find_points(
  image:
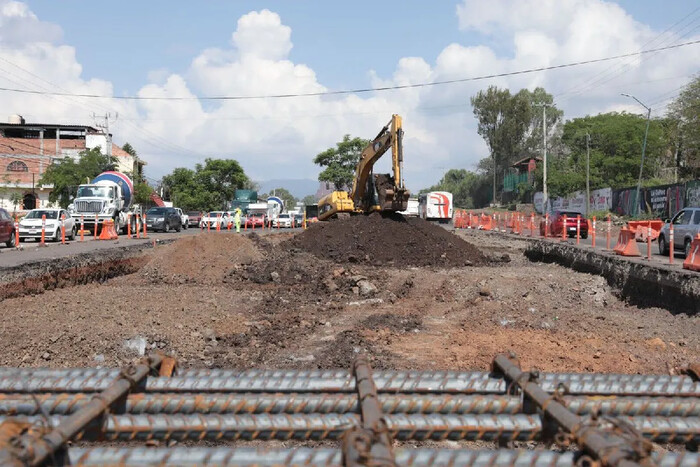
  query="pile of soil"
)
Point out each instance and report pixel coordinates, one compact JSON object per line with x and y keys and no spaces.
{"x":389,"y":240}
{"x":204,"y":258}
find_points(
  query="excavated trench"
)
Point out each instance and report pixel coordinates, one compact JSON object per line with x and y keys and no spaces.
{"x":640,"y":284}
{"x":96,"y":266}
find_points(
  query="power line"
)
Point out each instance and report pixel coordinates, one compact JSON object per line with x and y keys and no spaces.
{"x":359,"y":90}
{"x":616,"y":70}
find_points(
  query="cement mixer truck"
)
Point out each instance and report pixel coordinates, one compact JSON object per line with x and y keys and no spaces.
{"x":108,"y":196}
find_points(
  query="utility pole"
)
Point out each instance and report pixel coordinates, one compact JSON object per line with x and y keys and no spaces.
{"x":105,"y":128}
{"x":544,"y":159}
{"x":644,"y":148}
{"x":588,"y":174}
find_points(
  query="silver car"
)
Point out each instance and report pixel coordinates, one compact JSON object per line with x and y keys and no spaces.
{"x":686,"y":226}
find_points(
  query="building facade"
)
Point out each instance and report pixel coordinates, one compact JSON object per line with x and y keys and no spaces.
{"x":28,"y":149}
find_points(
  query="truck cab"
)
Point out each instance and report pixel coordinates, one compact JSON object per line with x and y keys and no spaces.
{"x":107,"y":197}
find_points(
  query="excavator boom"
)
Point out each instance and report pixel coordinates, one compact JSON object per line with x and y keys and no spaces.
{"x":381,"y":192}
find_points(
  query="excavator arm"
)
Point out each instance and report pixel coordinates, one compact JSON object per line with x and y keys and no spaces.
{"x":390,"y":190}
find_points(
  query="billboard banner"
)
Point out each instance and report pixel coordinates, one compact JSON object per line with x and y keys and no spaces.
{"x":601,"y":200}
{"x":692,"y":194}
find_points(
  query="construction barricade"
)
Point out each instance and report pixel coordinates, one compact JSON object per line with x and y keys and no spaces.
{"x":641,"y":229}
{"x":626,"y":243}
{"x":692,"y":261}
{"x":108,"y":231}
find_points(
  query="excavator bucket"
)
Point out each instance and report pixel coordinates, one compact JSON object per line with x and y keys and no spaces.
{"x":391,"y":197}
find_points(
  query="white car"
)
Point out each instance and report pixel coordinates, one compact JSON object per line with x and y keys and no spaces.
{"x":30,"y":225}
{"x":213,"y":218}
{"x":283,"y":220}
{"x":184,"y":218}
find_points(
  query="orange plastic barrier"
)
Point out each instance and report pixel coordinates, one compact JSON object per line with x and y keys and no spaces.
{"x":640,"y":229}
{"x":626,"y":244}
{"x":108,"y":232}
{"x":692,"y":262}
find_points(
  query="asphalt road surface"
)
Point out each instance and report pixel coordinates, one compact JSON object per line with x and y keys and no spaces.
{"x":31,"y":251}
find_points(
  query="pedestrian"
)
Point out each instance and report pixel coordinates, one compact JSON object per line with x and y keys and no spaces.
{"x":237,"y":219}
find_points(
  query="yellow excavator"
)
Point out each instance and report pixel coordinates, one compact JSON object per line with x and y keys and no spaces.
{"x":370,"y":192}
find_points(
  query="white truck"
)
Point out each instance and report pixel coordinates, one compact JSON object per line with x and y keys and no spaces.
{"x":435,"y":206}
{"x":109,"y":196}
{"x":184,"y":218}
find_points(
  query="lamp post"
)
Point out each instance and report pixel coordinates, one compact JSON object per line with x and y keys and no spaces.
{"x":644,"y":148}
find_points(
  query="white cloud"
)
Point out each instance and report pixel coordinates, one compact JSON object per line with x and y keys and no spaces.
{"x":277,"y":138}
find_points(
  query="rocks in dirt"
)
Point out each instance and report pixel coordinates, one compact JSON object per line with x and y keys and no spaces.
{"x":275,"y":276}
{"x":366,"y":288}
{"x":136,"y":345}
{"x":485,"y":291}
{"x":656,"y":343}
{"x":387,"y":240}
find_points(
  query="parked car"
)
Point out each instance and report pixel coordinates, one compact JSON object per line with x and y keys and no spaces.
{"x":556,"y":221}
{"x":7,"y":229}
{"x":30,"y":225}
{"x":194,"y":218}
{"x":284,"y":220}
{"x":686,"y":226}
{"x":256,"y":220}
{"x":163,"y":219}
{"x":184,"y":218}
{"x":212,"y":219}
{"x":298,"y":220}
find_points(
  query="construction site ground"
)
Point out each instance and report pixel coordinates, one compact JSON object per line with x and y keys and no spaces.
{"x":290,"y":300}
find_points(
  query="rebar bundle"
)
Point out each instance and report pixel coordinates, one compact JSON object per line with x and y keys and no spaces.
{"x":612,"y":419}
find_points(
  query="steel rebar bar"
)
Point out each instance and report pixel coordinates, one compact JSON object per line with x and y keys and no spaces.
{"x":322,"y":457}
{"x":38,"y":447}
{"x":425,"y":383}
{"x":64,"y":404}
{"x":553,"y":378}
{"x":606,"y":448}
{"x":143,"y":403}
{"x":331,"y":426}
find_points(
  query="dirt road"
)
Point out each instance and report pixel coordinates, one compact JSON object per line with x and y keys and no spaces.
{"x":276,"y":301}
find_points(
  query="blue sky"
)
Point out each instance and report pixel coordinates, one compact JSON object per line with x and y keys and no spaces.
{"x":341,"y":41}
{"x":176,"y":48}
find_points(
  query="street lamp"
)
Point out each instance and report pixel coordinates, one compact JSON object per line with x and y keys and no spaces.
{"x":644,"y":148}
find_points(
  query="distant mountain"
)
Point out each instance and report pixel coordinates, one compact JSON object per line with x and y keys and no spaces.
{"x":297,"y":187}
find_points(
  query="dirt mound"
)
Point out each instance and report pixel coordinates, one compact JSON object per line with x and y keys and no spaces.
{"x":203,"y":258}
{"x":387,"y":240}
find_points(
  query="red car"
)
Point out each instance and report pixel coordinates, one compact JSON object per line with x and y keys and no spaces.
{"x":255,"y":221}
{"x":7,"y":229}
{"x":556,"y":222}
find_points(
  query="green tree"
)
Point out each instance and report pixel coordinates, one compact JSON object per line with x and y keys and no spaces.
{"x":66,"y":174}
{"x":340,"y":162}
{"x":210,"y":186}
{"x":309,"y":199}
{"x":286,"y":196}
{"x":15,"y":199}
{"x":684,"y":113}
{"x":142,"y":193}
{"x":129,"y":149}
{"x":469,"y":189}
{"x":503,"y":122}
{"x":615,"y":152}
